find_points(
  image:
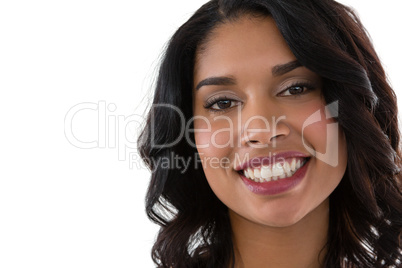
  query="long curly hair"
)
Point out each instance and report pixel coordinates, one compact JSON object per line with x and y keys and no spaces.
{"x":366,"y":207}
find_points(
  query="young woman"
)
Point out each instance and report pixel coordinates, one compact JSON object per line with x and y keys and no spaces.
{"x":273,"y":141}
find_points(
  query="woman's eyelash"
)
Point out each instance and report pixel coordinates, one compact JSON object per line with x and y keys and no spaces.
{"x":208,"y":104}
{"x":212,"y":101}
{"x":302,"y":85}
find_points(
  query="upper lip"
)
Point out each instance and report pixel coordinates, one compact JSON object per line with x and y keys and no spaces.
{"x":270,"y":159}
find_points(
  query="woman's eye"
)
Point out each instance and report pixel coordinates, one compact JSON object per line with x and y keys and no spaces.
{"x":294,"y":90}
{"x":221,"y":104}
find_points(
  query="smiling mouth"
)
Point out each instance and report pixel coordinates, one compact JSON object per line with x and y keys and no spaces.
{"x":275,"y":171}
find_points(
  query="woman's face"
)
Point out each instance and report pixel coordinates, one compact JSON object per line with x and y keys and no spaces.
{"x":270,"y":149}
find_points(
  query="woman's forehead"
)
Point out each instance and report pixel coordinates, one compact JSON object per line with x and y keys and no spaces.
{"x":245,"y":43}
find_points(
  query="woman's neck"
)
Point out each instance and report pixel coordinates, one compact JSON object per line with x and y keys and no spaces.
{"x":300,"y":245}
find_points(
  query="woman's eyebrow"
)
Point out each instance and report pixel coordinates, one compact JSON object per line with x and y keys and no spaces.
{"x":277,"y":70}
{"x":281,"y":69}
{"x":216,"y":81}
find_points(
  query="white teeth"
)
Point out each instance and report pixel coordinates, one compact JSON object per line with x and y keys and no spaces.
{"x":257,"y":173}
{"x":266,"y":172}
{"x":251,"y":173}
{"x":286,"y":167}
{"x":277,"y":170}
{"x":293,"y":164}
{"x":298,"y":164}
{"x":274,"y":172}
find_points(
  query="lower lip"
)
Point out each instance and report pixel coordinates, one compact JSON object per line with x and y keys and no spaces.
{"x":276,"y":187}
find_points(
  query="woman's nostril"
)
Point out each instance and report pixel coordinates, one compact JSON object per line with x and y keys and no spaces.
{"x":275,"y":137}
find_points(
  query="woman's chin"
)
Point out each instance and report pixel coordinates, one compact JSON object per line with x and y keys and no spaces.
{"x":281,"y":221}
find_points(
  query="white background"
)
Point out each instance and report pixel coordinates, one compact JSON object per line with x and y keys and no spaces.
{"x":62,"y":206}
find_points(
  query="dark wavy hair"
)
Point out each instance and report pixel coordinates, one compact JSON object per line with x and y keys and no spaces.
{"x":366,"y":207}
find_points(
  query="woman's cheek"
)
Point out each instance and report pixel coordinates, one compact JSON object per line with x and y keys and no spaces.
{"x":202,"y":133}
{"x":213,"y":138}
{"x":320,"y":135}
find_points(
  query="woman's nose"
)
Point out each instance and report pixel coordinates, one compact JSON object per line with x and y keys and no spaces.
{"x":263,"y":126}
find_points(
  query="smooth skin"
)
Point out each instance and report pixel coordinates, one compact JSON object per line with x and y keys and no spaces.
{"x":288,"y":229}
